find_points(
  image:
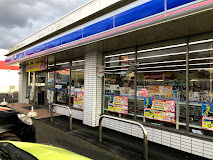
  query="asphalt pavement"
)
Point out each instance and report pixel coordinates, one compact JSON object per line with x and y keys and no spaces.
{"x":115,"y":146}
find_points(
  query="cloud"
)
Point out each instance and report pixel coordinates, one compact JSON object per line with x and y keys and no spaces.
{"x":21,"y":18}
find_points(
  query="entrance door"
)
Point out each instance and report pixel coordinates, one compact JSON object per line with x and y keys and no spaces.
{"x":40,"y":89}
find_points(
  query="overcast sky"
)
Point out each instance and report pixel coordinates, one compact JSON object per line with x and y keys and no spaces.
{"x":21,"y":18}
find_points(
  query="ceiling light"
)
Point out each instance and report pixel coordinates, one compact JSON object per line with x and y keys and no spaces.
{"x":202,"y":41}
{"x":163,"y":55}
{"x":160,"y":48}
{"x":122,"y":54}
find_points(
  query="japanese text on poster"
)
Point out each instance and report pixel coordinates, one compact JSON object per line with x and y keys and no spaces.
{"x":162,"y":110}
{"x":78,"y":99}
{"x":207,"y":116}
{"x":118,"y":104}
{"x":160,"y":92}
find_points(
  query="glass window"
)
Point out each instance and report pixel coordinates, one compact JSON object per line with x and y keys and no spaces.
{"x":40,"y":88}
{"x":161,"y":78}
{"x":77,"y":88}
{"x":119,"y":84}
{"x":62,"y":86}
{"x":30,"y":87}
{"x":50,"y":87}
{"x":200,"y":88}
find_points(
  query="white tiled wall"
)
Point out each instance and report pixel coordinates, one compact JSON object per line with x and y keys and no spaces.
{"x":75,"y":113}
{"x":92,"y":89}
{"x":181,"y":142}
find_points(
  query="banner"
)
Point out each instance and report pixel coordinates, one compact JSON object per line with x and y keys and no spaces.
{"x":36,"y":67}
{"x":207,"y":117}
{"x":157,"y":109}
{"x":118,"y":104}
{"x":78,"y":99}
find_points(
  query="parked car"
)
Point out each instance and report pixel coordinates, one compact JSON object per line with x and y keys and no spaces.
{"x":33,"y":151}
{"x":16,"y":126}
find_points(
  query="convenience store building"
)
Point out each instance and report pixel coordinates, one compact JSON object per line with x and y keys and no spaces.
{"x":146,"y":60}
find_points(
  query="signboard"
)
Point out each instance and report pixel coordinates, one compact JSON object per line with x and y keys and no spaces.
{"x":157,"y":109}
{"x":100,"y":71}
{"x":158,"y":76}
{"x":207,"y":117}
{"x":36,"y":67}
{"x":78,"y":100}
{"x":118,"y":104}
{"x":124,"y":61}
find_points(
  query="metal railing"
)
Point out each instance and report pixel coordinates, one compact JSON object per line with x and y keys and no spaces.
{"x":70,"y":112}
{"x":11,"y":97}
{"x":145,"y":142}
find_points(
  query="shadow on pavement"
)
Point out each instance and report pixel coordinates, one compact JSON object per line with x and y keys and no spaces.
{"x":126,"y":146}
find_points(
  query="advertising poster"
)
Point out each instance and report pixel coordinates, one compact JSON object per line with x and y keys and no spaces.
{"x":144,"y":93}
{"x":166,"y":92}
{"x":153,"y":91}
{"x":149,"y":113}
{"x":124,"y":61}
{"x":78,"y":99}
{"x":118,"y":104}
{"x":161,"y":110}
{"x":207,"y":116}
{"x":160,"y":92}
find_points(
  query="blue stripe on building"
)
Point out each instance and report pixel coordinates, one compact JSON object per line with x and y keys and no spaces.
{"x":142,"y":11}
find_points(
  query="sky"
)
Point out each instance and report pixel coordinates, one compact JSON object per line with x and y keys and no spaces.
{"x":21,"y":18}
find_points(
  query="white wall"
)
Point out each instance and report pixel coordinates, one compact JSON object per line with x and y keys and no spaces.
{"x":7,"y":77}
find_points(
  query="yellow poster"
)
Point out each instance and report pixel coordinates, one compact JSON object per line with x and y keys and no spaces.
{"x":158,"y":104}
{"x":159,"y":115}
{"x":148,"y":113}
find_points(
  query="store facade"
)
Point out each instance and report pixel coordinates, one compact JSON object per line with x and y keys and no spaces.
{"x":149,"y":61}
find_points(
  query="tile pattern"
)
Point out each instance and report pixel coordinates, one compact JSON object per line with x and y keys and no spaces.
{"x":184,"y":143}
{"x":92,"y":89}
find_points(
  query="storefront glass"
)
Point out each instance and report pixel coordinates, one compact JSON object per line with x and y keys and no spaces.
{"x":77,"y":88}
{"x":200,"y":88}
{"x":50,"y":87}
{"x":62,"y":86}
{"x":162,"y":83}
{"x":30,"y":87}
{"x":119,"y":84}
{"x":40,"y":88}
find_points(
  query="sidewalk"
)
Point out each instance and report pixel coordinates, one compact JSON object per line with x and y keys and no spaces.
{"x":26,"y":108}
{"x":125,"y":146}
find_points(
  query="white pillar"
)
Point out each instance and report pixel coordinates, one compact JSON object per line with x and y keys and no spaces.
{"x":22,"y":86}
{"x":92,"y":89}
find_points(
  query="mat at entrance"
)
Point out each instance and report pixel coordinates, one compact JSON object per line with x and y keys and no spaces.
{"x":29,"y":107}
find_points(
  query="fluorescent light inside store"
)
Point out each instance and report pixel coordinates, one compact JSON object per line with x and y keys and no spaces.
{"x":164,"y":66}
{"x":143,"y":64}
{"x":202,"y":41}
{"x":202,"y":50}
{"x":78,"y":61}
{"x":117,"y":66}
{"x":122,"y":54}
{"x":160,"y":48}
{"x":163,"y":55}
